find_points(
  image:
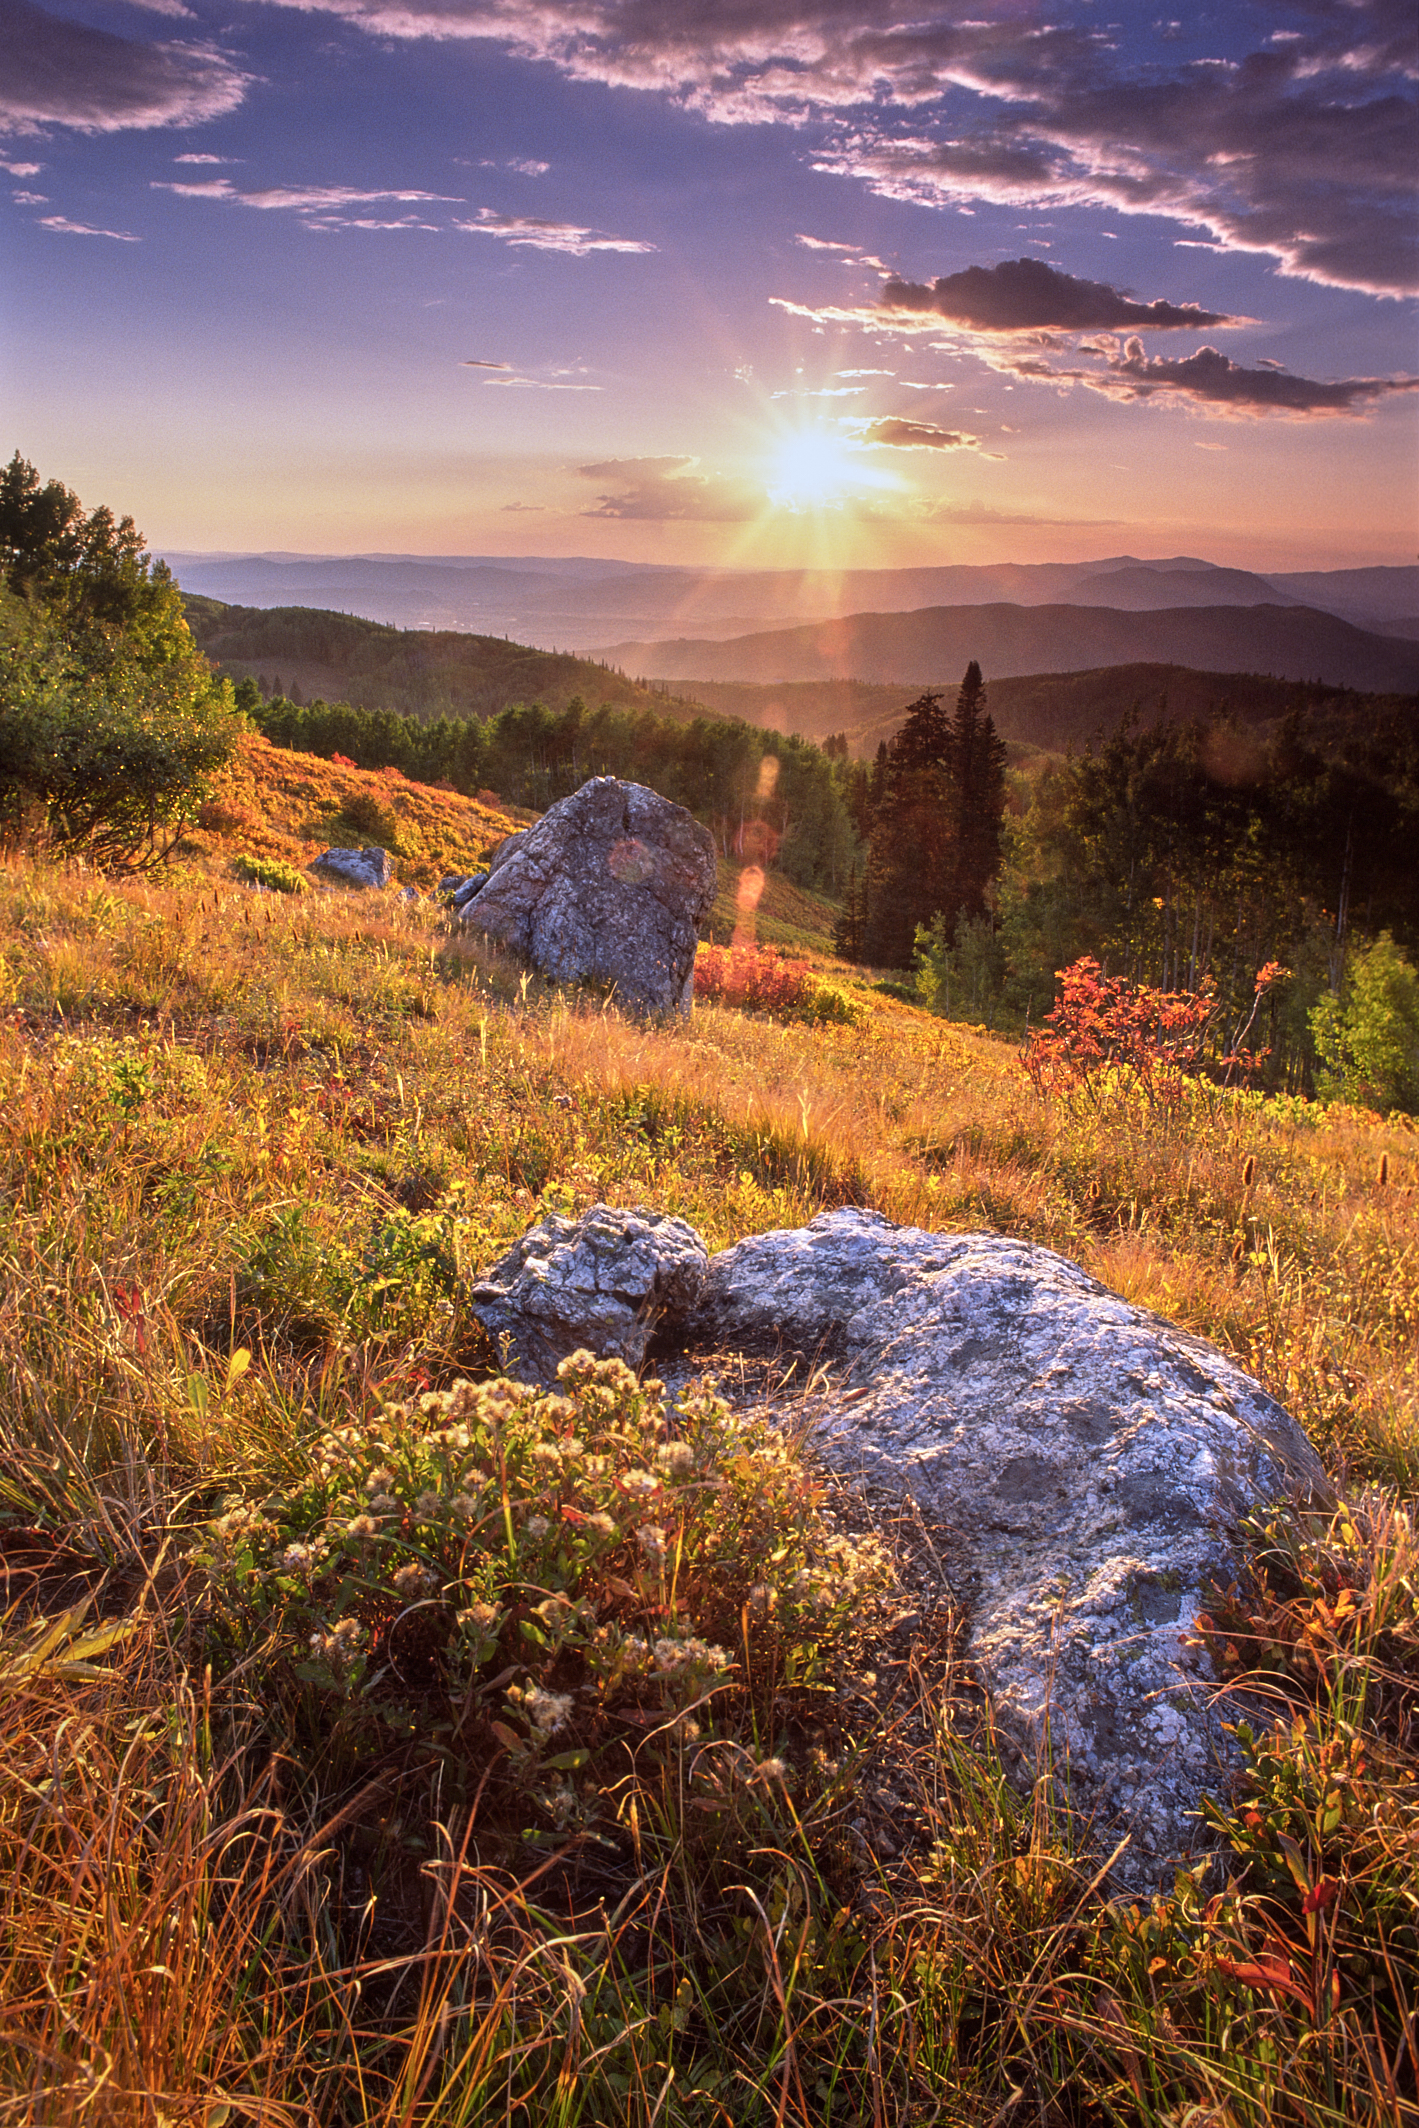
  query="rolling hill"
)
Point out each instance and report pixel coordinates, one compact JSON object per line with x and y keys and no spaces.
{"x":308,"y":652}
{"x":934,"y":644}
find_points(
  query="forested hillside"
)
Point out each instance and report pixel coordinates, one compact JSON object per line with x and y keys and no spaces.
{"x":1054,"y":710}
{"x":304,"y":653}
{"x":767,"y":798}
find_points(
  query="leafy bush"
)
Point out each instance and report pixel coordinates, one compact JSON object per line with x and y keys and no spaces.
{"x":367,"y":814}
{"x":111,"y":721}
{"x":1368,"y":1039}
{"x":545,"y":1577}
{"x":756,"y":979}
{"x":269,"y":872}
{"x":1106,"y":1033}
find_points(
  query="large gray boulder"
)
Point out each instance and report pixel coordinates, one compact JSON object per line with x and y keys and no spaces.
{"x":605,"y":1281}
{"x":355,"y":868}
{"x":1082,"y":1465}
{"x":611,"y":885}
{"x":1086,"y":1465}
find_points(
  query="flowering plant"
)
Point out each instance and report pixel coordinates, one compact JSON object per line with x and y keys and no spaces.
{"x":530,"y":1573}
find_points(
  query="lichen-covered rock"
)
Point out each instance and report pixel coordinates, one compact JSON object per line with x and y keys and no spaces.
{"x":604,"y":1281}
{"x":355,"y":868}
{"x":611,"y":885}
{"x":1085,"y":1463}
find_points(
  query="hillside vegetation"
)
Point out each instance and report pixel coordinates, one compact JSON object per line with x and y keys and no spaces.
{"x":271,"y":1859}
{"x":420,"y":672}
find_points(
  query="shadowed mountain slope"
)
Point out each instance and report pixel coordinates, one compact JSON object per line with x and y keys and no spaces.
{"x":934,"y":644}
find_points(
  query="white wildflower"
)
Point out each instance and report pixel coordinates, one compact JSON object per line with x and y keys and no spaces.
{"x":547,"y":1711}
{"x":414,"y":1581}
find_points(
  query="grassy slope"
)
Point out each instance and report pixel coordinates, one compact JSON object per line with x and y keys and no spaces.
{"x":216,"y":1109}
{"x":417,"y":672}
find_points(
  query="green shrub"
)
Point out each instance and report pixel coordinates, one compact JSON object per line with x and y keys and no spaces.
{"x":269,"y":872}
{"x":111,"y":721}
{"x":1368,"y":1038}
{"x":367,"y":814}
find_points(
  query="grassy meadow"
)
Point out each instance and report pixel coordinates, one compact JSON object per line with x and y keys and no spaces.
{"x":365,"y":1758}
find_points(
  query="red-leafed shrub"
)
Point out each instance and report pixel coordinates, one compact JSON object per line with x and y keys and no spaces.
{"x":756,"y":979}
{"x":1106,"y":1031}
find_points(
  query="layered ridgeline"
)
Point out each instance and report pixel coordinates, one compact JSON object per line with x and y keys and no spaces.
{"x":1292,"y":642}
{"x":575,"y":602}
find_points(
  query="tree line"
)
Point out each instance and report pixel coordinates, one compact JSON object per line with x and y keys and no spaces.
{"x":766,"y":797}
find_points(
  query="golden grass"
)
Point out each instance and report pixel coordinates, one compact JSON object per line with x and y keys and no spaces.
{"x":238,"y":1122}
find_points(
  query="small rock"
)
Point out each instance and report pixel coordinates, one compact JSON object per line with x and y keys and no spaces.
{"x":355,"y":868}
{"x":604,"y":1281}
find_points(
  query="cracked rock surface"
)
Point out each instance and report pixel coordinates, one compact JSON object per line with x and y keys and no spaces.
{"x":611,"y":885}
{"x":605,"y":1281}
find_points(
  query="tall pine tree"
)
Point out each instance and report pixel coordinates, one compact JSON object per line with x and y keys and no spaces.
{"x":936,"y":825}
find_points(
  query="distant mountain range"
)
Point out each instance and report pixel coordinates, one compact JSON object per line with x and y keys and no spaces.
{"x":934,"y":644}
{"x":581,"y":603}
{"x":309,"y":652}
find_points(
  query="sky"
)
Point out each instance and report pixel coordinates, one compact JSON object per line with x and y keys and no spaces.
{"x":750,"y":283}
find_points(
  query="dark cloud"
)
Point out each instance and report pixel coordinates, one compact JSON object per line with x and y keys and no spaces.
{"x":1210,"y":379}
{"x":1026,"y":295}
{"x":59,"y":73}
{"x":668,"y":489}
{"x":916,"y":435}
{"x":1302,"y":149}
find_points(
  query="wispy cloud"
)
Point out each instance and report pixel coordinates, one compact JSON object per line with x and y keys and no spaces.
{"x":532,"y":233}
{"x":203,"y":158}
{"x":63,"y":73}
{"x":1299,"y":149}
{"x":64,"y":227}
{"x":321,"y":207}
{"x":473,"y":362}
{"x":518,"y":383}
{"x":666,"y":490}
{"x":22,"y":169}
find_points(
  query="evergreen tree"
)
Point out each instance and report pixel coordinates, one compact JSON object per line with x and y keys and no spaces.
{"x":936,"y":829}
{"x":850,"y":929}
{"x":976,"y":803}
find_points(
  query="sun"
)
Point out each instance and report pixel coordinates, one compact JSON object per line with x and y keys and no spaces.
{"x":812,"y":470}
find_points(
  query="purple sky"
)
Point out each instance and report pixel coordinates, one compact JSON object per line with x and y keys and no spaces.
{"x":742,"y":281}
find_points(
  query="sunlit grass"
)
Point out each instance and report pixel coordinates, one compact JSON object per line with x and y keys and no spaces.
{"x":240,"y":1123}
